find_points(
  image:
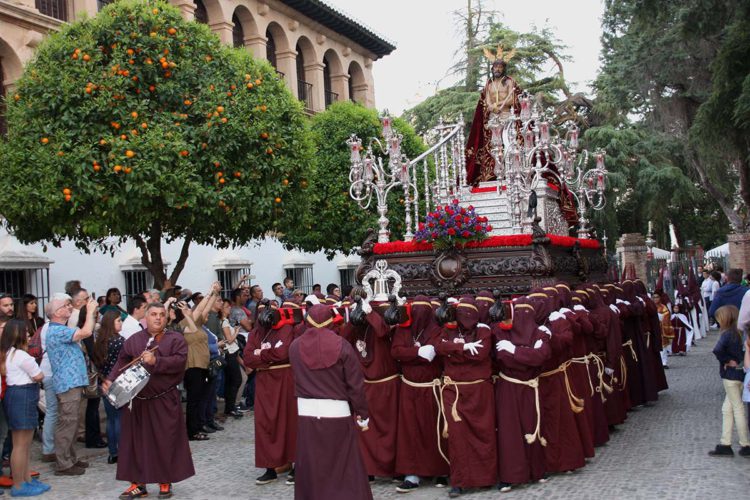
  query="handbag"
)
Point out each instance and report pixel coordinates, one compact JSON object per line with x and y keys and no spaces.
{"x":215,"y":366}
{"x":92,"y":390}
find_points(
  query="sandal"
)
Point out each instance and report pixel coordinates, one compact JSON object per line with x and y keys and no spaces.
{"x":199,"y":437}
{"x":135,"y":491}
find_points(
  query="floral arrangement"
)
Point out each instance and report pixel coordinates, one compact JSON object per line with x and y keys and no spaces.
{"x":452,"y":225}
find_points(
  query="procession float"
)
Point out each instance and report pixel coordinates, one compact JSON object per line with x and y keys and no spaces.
{"x":505,"y":210}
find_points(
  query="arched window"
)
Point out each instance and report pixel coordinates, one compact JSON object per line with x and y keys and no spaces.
{"x":304,"y":89}
{"x":330,"y":95}
{"x":200,"y":13}
{"x":238,"y":35}
{"x":270,"y":49}
{"x":351,"y":88}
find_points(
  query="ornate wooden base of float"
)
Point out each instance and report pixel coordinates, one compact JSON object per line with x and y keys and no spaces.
{"x":513,"y":264}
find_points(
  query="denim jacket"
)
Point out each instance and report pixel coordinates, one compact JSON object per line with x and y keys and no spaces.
{"x":730,"y":347}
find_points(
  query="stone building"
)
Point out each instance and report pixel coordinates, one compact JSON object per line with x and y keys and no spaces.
{"x":323,"y":54}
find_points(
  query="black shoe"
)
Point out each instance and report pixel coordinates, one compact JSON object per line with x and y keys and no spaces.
{"x":235,"y":414}
{"x":406,"y":487}
{"x":744,"y":452}
{"x":666,"y":367}
{"x":112,"y":459}
{"x":371,"y":478}
{"x":134,"y":491}
{"x":722,"y":450}
{"x":290,"y":477}
{"x":455,"y":492}
{"x":504,"y":487}
{"x":100,"y":444}
{"x":208,"y":430}
{"x":269,"y":477}
{"x":214,"y":426}
{"x":441,"y":482}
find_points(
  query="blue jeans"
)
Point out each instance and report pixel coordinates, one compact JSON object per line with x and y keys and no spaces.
{"x":113,"y":426}
{"x":50,"y":418}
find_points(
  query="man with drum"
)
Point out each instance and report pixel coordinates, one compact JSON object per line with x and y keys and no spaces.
{"x":153,"y":444}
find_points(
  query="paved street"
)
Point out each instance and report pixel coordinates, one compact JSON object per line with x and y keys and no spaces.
{"x":659,"y":453}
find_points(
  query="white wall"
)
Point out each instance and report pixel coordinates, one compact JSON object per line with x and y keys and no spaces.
{"x":98,"y":272}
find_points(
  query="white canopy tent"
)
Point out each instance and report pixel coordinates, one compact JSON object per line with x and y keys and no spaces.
{"x":718,"y":252}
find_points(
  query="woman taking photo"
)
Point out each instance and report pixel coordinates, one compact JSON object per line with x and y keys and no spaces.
{"x":107,"y":348}
{"x":232,"y":373}
{"x":22,"y":376}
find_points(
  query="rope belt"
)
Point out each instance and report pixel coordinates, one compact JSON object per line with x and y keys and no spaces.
{"x":624,"y":370}
{"x":584,"y":360}
{"x":629,"y":343}
{"x":576,"y":403}
{"x":275,"y":367}
{"x":648,"y":340}
{"x":381,"y":380}
{"x":436,"y":386}
{"x":454,"y":409}
{"x":534,"y":384}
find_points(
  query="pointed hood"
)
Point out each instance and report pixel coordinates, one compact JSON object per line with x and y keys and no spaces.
{"x":484,"y":301}
{"x":467,"y":316}
{"x":319,"y":347}
{"x":524,"y":325}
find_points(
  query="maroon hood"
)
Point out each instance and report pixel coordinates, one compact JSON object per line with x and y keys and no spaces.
{"x":524,"y":325}
{"x":319,"y":347}
{"x":484,"y":301}
{"x":467,"y":316}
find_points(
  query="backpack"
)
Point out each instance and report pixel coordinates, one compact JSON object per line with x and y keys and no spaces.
{"x":35,"y":346}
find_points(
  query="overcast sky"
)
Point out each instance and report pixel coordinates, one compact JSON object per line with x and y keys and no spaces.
{"x":426,"y":39}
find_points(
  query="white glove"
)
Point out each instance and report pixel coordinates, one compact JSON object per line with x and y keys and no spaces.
{"x":538,"y":344}
{"x":546,"y":330}
{"x":278,"y":344}
{"x":366,"y":307}
{"x":363,"y":424}
{"x":265,"y":345}
{"x":506,"y":345}
{"x":614,"y":308}
{"x":642,"y":301}
{"x":555,"y":316}
{"x":579,"y":307}
{"x":473,"y":347}
{"x":565,"y":310}
{"x":609,"y":371}
{"x":427,"y":352}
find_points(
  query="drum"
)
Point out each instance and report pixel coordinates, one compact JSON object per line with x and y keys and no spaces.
{"x":128,"y":385}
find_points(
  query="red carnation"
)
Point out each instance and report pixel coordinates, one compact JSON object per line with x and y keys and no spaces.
{"x":471,"y":207}
{"x":455,"y":201}
{"x":449,"y":211}
{"x":466,"y":220}
{"x":466,"y":234}
{"x":431,"y":225}
{"x":463,"y":211}
{"x":489,"y":228}
{"x":451,"y":231}
{"x":421,"y":226}
{"x":477,"y":228}
{"x":434,"y":234}
{"x":442,"y":222}
{"x":457,"y":217}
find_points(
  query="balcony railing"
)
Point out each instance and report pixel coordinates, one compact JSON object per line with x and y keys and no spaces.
{"x":331,"y":97}
{"x":304,"y":93}
{"x":53,"y":8}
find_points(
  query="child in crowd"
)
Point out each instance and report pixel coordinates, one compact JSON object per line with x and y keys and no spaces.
{"x":729,"y":352}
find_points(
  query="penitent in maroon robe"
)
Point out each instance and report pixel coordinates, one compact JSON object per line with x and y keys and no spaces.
{"x":154,"y":445}
{"x":418,"y":452}
{"x":275,"y":403}
{"x":329,"y":462}
{"x":519,"y":441}
{"x":373,"y":346}
{"x":471,"y":428}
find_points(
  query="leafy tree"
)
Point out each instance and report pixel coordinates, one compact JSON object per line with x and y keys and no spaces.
{"x":679,"y":70}
{"x":139,"y":125}
{"x":335,"y":222}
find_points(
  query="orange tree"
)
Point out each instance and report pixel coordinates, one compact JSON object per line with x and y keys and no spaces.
{"x":137,"y":124}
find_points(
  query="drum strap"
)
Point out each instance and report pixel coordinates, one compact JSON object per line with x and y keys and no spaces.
{"x":157,"y":396}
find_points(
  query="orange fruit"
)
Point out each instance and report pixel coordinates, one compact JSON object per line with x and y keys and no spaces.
{"x":74,"y":56}
{"x":277,"y":200}
{"x":264,"y":108}
{"x":249,"y":85}
{"x":187,"y":102}
{"x":264,"y":135}
{"x":220,"y":174}
{"x":66,"y":191}
{"x":211,"y":87}
{"x":229,"y":94}
{"x":171,"y":31}
{"x":152,"y":34}
{"x":155,"y":11}
{"x":128,"y":170}
{"x":247,"y":76}
{"x":131,"y":61}
{"x":44,"y":140}
{"x":233,"y":87}
{"x":86,"y":57}
{"x":221,"y":180}
{"x":115,"y":125}
{"x":148,"y":61}
{"x":258,"y":81}
{"x":285,"y":182}
{"x":129,"y":153}
{"x":97,"y":167}
{"x":134,"y":132}
{"x":102,"y":142}
{"x":165,"y":64}
{"x":124,"y":137}
{"x":221,"y":203}
{"x":217,"y":164}
{"x":126,"y":73}
{"x":151,"y":88}
{"x":165,"y":51}
{"x":238,"y":174}
{"x":184,"y":152}
{"x":144,"y":125}
{"x":130,"y":52}
{"x":167,"y":74}
{"x":67,"y":197}
{"x":134,"y":114}
{"x":60,"y":153}
{"x":77,"y":51}
{"x":117,"y":168}
{"x":88,"y":90}
{"x":220,"y":109}
{"x":16,"y":97}
{"x":208,"y":58}
{"x":223,"y":120}
{"x":269,"y":151}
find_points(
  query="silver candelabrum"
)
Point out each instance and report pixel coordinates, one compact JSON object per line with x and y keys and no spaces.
{"x":368,"y":175}
{"x":527,"y":147}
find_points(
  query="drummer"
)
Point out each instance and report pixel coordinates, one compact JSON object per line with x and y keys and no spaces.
{"x":153,"y":444}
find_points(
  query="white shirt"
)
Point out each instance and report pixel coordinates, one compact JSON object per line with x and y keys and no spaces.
{"x":706,"y":287}
{"x":45,"y":365}
{"x":20,"y":367}
{"x":233,"y":347}
{"x":73,"y":320}
{"x":714,"y":288}
{"x":130,"y":326}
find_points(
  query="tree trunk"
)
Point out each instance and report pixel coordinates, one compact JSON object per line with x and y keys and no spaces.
{"x":152,"y":259}
{"x":726,"y":203}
